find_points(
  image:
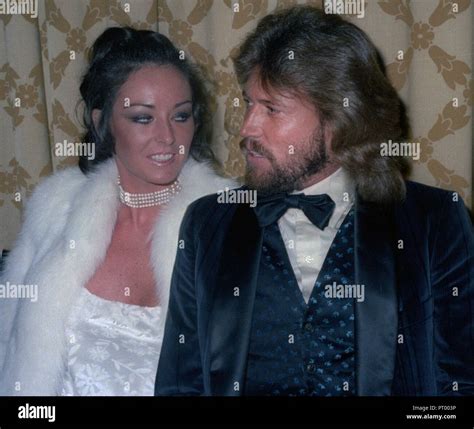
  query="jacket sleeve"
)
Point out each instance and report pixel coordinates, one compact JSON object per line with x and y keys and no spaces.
{"x":14,"y":270}
{"x":40,"y":221}
{"x":180,"y":368}
{"x":17,"y":262}
{"x":452,"y":272}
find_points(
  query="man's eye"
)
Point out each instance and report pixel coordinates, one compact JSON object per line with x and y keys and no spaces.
{"x":182,"y":117}
{"x":144,"y":119}
{"x":271,"y":110}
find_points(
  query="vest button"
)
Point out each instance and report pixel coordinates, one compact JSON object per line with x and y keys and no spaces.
{"x":311,"y":368}
{"x":308,"y":327}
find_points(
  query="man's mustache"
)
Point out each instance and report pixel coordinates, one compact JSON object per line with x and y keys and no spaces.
{"x":255,"y":146}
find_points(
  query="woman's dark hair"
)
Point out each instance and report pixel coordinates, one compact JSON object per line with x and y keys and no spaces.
{"x":116,"y":54}
{"x":335,"y":65}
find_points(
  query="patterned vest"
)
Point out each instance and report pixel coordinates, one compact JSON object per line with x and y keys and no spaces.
{"x":297,"y":348}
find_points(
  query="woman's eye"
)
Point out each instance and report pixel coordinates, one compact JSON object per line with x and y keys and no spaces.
{"x":145,"y":119}
{"x":182,"y":117}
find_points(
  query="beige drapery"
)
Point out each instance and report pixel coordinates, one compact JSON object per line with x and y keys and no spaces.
{"x":42,"y":60}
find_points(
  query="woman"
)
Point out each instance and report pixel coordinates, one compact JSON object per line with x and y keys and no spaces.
{"x":100,"y":240}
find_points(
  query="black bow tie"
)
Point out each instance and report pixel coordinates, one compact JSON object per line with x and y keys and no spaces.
{"x":317,"y":208}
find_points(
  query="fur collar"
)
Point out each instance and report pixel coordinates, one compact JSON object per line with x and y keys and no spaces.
{"x":67,"y":230}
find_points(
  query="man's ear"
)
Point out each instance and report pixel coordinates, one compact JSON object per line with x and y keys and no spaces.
{"x":328,"y":135}
{"x":96,"y":115}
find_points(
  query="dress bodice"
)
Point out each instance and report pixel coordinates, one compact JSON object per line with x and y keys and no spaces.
{"x":113,"y":348}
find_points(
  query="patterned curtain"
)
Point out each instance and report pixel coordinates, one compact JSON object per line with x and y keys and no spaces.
{"x":426,"y":44}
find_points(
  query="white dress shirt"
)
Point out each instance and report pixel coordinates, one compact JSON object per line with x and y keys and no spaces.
{"x":306,"y":245}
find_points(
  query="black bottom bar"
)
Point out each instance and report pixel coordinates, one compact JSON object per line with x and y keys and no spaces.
{"x":432,"y":412}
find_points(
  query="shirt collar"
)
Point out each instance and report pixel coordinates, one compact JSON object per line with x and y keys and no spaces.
{"x":338,"y":186}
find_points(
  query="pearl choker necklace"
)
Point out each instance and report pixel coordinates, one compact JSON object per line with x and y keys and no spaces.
{"x":138,"y":201}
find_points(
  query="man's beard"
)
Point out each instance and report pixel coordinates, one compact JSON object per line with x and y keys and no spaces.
{"x":292,"y":174}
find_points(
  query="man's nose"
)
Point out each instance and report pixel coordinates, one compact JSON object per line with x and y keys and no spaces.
{"x":251,"y":125}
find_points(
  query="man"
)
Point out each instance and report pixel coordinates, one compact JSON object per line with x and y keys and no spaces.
{"x":364,"y":285}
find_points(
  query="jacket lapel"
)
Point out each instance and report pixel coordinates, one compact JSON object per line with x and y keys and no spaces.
{"x":376,"y":318}
{"x":231,"y":315}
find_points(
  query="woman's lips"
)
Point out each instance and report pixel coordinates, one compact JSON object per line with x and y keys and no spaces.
{"x":162,"y":158}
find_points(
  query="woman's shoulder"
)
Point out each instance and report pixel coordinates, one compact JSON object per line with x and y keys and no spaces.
{"x":61,"y":182}
{"x":51,"y":198}
{"x":201,"y":179}
{"x":197,"y":179}
{"x":66,"y":185}
{"x":55,"y":189}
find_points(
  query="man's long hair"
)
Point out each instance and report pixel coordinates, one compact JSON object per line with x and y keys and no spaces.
{"x":334,"y":64}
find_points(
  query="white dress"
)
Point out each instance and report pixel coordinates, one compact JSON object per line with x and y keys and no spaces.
{"x":113,"y":348}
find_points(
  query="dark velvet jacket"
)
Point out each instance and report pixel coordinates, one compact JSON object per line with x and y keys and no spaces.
{"x":414,"y":332}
